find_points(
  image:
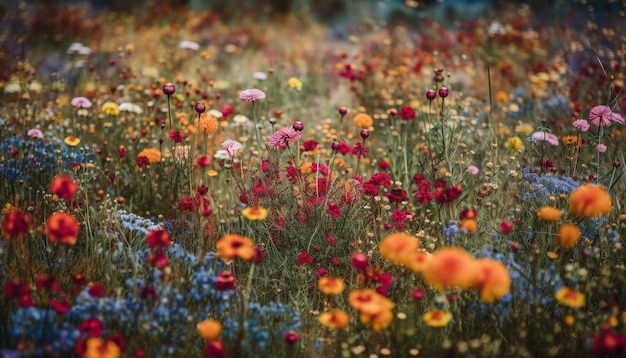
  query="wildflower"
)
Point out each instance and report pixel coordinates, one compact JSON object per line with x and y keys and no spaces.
{"x":446,"y":195}
{"x":251,"y":95}
{"x":398,"y":248}
{"x":34,"y":133}
{"x":545,"y":136}
{"x":359,"y":261}
{"x":570,"y":297}
{"x":568,"y":235}
{"x":204,"y":161}
{"x":450,"y":267}
{"x":291,"y":337}
{"x":294,"y":83}
{"x":472,"y":169}
{"x":407,"y":113}
{"x":363,"y":120}
{"x":215,"y":349}
{"x":48,"y":282}
{"x":609,"y":344}
{"x":419,"y":261}
{"x":63,"y":186}
{"x":581,"y":125}
{"x":71,"y":141}
{"x":189,"y":45}
{"x":169,"y":89}
{"x":225,"y":281}
{"x":282,"y":137}
{"x":81,"y":102}
{"x":359,"y":150}
{"x":99,"y":348}
{"x":331,"y":285}
{"x":304,"y":259}
{"x":492,"y":279}
{"x":255,"y":213}
{"x":60,"y":306}
{"x":261,"y":76}
{"x":63,"y":228}
{"x":207,"y":124}
{"x":549,"y":214}
{"x":176,"y":136}
{"x":514,"y":143}
{"x":92,"y":326}
{"x":569,"y":140}
{"x":231,"y":147}
{"x":209,"y":329}
{"x":506,"y":227}
{"x":110,"y":108}
{"x":130,"y":107}
{"x":18,"y":291}
{"x":437,"y":318}
{"x":589,"y":201}
{"x":601,"y":148}
{"x":335,"y":319}
{"x":377,"y":321}
{"x":469,"y":225}
{"x":15,"y":224}
{"x":602,"y":116}
{"x":232,"y":245}
{"x":369,"y":301}
{"x":158,"y":239}
{"x":152,"y":154}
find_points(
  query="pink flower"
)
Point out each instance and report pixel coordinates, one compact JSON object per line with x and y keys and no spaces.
{"x":581,"y":124}
{"x":81,"y":102}
{"x":282,"y":137}
{"x":190,"y":45}
{"x":548,"y":137}
{"x":251,"y":95}
{"x":472,"y":169}
{"x":602,"y":116}
{"x":231,"y":147}
{"x":34,"y":133}
{"x":601,"y":148}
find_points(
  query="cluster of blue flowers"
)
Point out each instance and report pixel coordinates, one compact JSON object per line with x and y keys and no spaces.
{"x":541,"y":187}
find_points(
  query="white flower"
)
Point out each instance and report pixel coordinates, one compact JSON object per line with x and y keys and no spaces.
{"x":221,"y":154}
{"x":189,"y":45}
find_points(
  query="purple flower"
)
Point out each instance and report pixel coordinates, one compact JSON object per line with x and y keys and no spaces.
{"x":81,"y":102}
{"x":581,"y":124}
{"x":602,"y":116}
{"x":34,"y":133}
{"x":251,"y":95}
{"x":548,"y":137}
{"x":231,"y":147}
{"x":282,"y":137}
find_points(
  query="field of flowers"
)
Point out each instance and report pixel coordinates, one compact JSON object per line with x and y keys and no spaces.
{"x":183,"y":183}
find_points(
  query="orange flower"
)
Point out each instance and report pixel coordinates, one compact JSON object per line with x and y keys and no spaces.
{"x":450,"y":267}
{"x":569,"y":140}
{"x":470,"y":225}
{"x":231,"y":246}
{"x":99,"y":348}
{"x":492,"y":279}
{"x":209,"y":329}
{"x":63,"y":186}
{"x":153,"y":155}
{"x":363,"y":120}
{"x":377,"y":321}
{"x":15,"y":224}
{"x":255,"y":213}
{"x":419,"y":262}
{"x":548,"y":213}
{"x":570,"y":297}
{"x":207,"y":124}
{"x":437,"y":318}
{"x":63,"y":228}
{"x":568,"y":235}
{"x":331,"y":285}
{"x":71,"y":141}
{"x":589,"y":201}
{"x":369,"y":301}
{"x":335,"y":319}
{"x":398,"y":248}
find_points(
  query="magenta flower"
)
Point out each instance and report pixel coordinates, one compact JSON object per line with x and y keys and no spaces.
{"x":601,"y":148}
{"x":34,"y":133}
{"x":231,"y":147}
{"x":81,"y":102}
{"x":548,"y":137}
{"x":602,"y":116}
{"x":281,"y":138}
{"x":251,"y":95}
{"x":581,"y":124}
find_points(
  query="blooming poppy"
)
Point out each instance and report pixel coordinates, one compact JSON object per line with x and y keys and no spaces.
{"x":209,"y":329}
{"x":492,"y":279}
{"x":589,"y":201}
{"x":398,"y":248}
{"x":568,"y":235}
{"x":15,"y":223}
{"x":232,"y":245}
{"x":437,"y":318}
{"x":419,"y":261}
{"x":63,"y":228}
{"x":570,"y":297}
{"x":331,"y":285}
{"x":336,"y":319}
{"x":549,"y":213}
{"x":63,"y":186}
{"x":71,"y":141}
{"x":158,"y":239}
{"x":450,"y":267}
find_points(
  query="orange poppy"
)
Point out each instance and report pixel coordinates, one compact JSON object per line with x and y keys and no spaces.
{"x":255,"y":213}
{"x":398,"y":248}
{"x":570,"y":297}
{"x":589,"y":201}
{"x":437,"y":318}
{"x":336,"y":319}
{"x":492,"y":279}
{"x":63,"y":228}
{"x":568,"y":235}
{"x":331,"y":285}
{"x":419,"y":262}
{"x":450,"y":267}
{"x":209,"y":329}
{"x":369,"y":301}
{"x":377,"y":321}
{"x":99,"y":348}
{"x":231,"y":246}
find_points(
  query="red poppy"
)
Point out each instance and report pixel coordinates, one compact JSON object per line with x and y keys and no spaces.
{"x":15,"y":224}
{"x":63,"y":228}
{"x":158,"y":239}
{"x":63,"y":186}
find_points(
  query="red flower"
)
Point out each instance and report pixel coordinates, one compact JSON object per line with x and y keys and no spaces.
{"x":225,"y":281}
{"x":158,"y":239}
{"x":333,"y":210}
{"x":63,"y":228}
{"x":61,"y":307}
{"x":48,"y":282}
{"x":157,"y":259}
{"x":18,"y":291}
{"x":407,"y":113}
{"x":15,"y":224}
{"x":92,"y":327}
{"x":397,"y":195}
{"x":148,"y":293}
{"x":186,"y":205}
{"x":305,"y":259}
{"x":97,"y":290}
{"x":291,"y":337}
{"x":359,"y":261}
{"x":176,"y":136}
{"x":309,"y":145}
{"x":63,"y":186}
{"x":609,"y":344}
{"x":215,"y":349}
{"x":359,"y":150}
{"x":447,"y":195}
{"x":143,"y":162}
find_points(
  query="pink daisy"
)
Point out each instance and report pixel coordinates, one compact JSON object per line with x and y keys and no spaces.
{"x":251,"y":95}
{"x":282,"y":137}
{"x":581,"y":124}
{"x":231,"y":147}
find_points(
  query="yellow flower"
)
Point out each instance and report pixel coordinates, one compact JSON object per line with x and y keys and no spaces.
{"x":568,"y":235}
{"x":363,"y":120}
{"x":255,"y":213}
{"x":331,"y":285}
{"x":570,"y":297}
{"x":71,"y":141}
{"x":209,"y":329}
{"x":514,"y":143}
{"x":336,"y":319}
{"x":294,"y":83}
{"x":111,"y":108}
{"x":589,"y":201}
{"x":526,"y":128}
{"x":437,"y":318}
{"x":549,"y":213}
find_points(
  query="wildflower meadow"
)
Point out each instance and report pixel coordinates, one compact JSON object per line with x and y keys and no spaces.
{"x":312,"y":179}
